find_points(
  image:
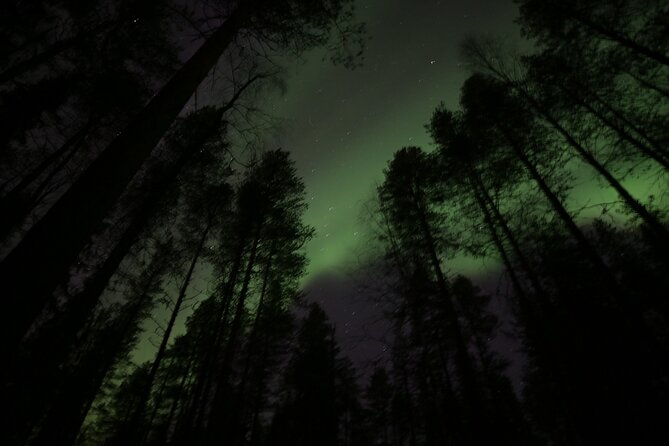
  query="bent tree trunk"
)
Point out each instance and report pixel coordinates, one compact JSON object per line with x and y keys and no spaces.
{"x":41,"y":261}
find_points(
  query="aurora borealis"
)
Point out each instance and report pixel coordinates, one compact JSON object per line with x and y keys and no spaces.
{"x":343,"y":126}
{"x":334,"y":222}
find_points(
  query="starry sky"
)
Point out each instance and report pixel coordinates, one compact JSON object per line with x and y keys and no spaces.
{"x":342,"y":127}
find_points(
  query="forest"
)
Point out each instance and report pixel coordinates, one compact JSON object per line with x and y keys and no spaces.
{"x":153,"y":233}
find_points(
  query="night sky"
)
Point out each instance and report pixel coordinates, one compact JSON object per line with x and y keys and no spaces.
{"x":344,"y":126}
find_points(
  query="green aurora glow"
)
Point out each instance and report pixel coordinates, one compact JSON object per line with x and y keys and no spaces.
{"x":344,"y":126}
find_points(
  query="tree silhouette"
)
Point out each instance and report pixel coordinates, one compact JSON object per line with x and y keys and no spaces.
{"x":99,"y":187}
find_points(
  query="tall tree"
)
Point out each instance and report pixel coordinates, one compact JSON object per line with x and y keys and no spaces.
{"x":56,"y":237}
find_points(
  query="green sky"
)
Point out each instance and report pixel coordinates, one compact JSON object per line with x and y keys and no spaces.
{"x":343,"y":126}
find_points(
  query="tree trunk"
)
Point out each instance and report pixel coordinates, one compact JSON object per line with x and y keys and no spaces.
{"x":518,"y":252}
{"x":624,"y":135}
{"x":622,"y":40}
{"x":515,"y":281}
{"x":657,"y":147}
{"x":13,"y":205}
{"x":59,"y":236}
{"x":630,"y":201}
{"x":65,"y":418}
{"x":465,"y":366}
{"x":54,"y":50}
{"x":562,"y":213}
{"x":638,"y":208}
{"x":648,"y":85}
{"x":134,"y":426}
{"x":191,"y":417}
{"x":215,"y":431}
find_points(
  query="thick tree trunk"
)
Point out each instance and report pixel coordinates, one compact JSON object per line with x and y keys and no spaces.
{"x":57,"y":239}
{"x":52,"y":343}
{"x":65,"y":418}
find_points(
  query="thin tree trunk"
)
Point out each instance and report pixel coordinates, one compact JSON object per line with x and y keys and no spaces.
{"x":191,"y":418}
{"x":635,"y":206}
{"x":156,"y":405}
{"x":562,"y":213}
{"x":648,"y":85}
{"x":58,"y":237}
{"x":135,"y":424}
{"x":657,"y":147}
{"x":256,"y":322}
{"x":175,"y":404}
{"x":622,"y":40}
{"x":518,"y":252}
{"x":11,"y":206}
{"x":215,"y":431}
{"x":535,"y":322}
{"x":467,"y":373}
{"x":630,"y":201}
{"x":624,"y":135}
{"x":518,"y":287}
